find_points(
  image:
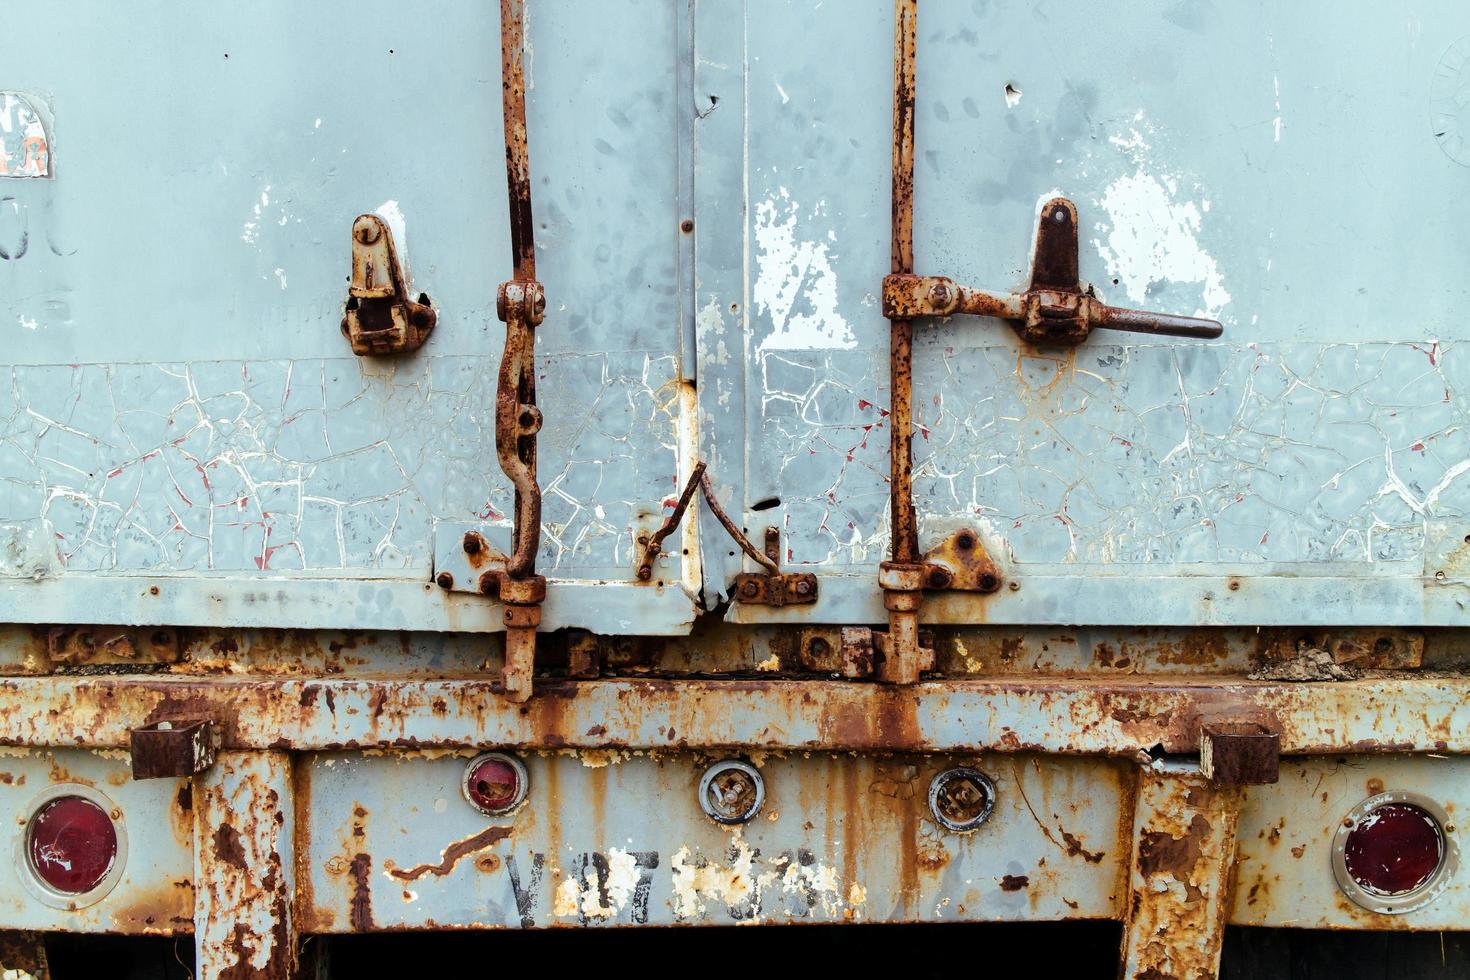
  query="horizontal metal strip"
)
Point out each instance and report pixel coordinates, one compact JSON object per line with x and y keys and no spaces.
{"x":329,"y":603}
{"x":1069,"y":715}
{"x":1146,"y":600}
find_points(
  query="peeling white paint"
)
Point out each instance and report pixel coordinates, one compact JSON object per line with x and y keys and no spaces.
{"x":251,"y":232}
{"x":30,"y":323}
{"x":1013,"y":96}
{"x":795,"y":283}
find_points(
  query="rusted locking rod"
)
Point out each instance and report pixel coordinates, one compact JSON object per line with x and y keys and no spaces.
{"x":902,"y":577}
{"x":653,"y":546}
{"x":521,"y":304}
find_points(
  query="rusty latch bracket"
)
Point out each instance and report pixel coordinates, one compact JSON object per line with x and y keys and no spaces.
{"x":1056,"y":310}
{"x":961,"y":563}
{"x":772,"y":587}
{"x":380,"y":318}
{"x":1239,"y":753}
{"x":173,"y":749}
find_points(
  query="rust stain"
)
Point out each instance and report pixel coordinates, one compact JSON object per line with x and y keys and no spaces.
{"x":360,"y":910}
{"x":452,"y":854}
{"x":228,"y":848}
{"x":1014,"y":883}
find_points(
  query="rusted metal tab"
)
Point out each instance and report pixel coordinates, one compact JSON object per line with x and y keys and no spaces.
{"x":245,"y":868}
{"x":23,"y":956}
{"x":961,"y":563}
{"x":168,"y":749}
{"x":379,"y":317}
{"x":1239,"y":753}
{"x":780,"y":589}
{"x":1183,"y":856}
{"x":75,"y":646}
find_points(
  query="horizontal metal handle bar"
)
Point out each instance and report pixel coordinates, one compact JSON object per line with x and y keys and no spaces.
{"x":1161,"y":324}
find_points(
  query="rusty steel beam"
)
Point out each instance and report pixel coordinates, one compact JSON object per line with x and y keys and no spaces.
{"x":245,"y":868}
{"x":521,"y":305}
{"x":1183,"y":863}
{"x":1069,"y":715}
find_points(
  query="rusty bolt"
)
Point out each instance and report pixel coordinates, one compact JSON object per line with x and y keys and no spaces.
{"x":367,"y":232}
{"x":1235,"y":585}
{"x":964,"y":541}
{"x":939,"y":578}
{"x":939,"y":295}
{"x":818,"y":649}
{"x":803,"y":587}
{"x":645,"y":572}
{"x":336,"y":865}
{"x":686,"y":226}
{"x":488,"y":863}
{"x":1015,"y":586}
{"x":473,"y":543}
{"x":489,"y":583}
{"x":445,"y":580}
{"x":750,"y":589}
{"x":988,"y":582}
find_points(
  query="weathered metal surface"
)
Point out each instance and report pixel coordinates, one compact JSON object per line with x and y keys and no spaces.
{"x":608,"y":838}
{"x":170,"y":749}
{"x":960,"y":562}
{"x":76,"y":645}
{"x":154,"y":891}
{"x":1118,"y":716}
{"x":1183,"y":847}
{"x":245,"y":868}
{"x":1283,"y":875}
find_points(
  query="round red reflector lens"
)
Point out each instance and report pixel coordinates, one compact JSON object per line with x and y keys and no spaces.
{"x":71,"y":844}
{"x":495,"y":783}
{"x":1394,"y":849}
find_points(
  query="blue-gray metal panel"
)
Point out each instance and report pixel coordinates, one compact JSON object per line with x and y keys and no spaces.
{"x":1283,"y":443}
{"x":179,"y":397}
{"x":605,"y":838}
{"x":1284,"y":872}
{"x":155,"y":892}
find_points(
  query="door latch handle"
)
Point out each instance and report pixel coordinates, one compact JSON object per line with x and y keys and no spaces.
{"x":1055,"y":310}
{"x":379,"y":317}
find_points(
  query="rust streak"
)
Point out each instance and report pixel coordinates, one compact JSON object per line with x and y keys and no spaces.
{"x":453,"y":853}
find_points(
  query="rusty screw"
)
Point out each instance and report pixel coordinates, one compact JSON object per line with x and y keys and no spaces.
{"x":445,"y":580}
{"x":473,"y":543}
{"x":645,"y":572}
{"x":803,"y":587}
{"x":939,"y":577}
{"x":988,"y":582}
{"x":749,"y":588}
{"x":939,"y":295}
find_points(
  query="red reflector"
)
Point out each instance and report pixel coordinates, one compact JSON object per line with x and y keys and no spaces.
{"x":494,"y":783}
{"x":71,"y":844}
{"x":1394,"y":849}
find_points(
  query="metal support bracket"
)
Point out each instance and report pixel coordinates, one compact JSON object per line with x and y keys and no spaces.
{"x":173,"y":749}
{"x":379,"y":317}
{"x":961,"y":563}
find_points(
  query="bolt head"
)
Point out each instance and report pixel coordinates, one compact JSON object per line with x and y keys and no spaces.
{"x":472,"y":543}
{"x":445,"y":580}
{"x":940,"y":578}
{"x":749,"y":589}
{"x":803,"y":587}
{"x":939,"y":294}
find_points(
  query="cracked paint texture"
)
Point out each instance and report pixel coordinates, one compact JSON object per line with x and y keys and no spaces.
{"x":318,"y":464}
{"x":1139,"y":454}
